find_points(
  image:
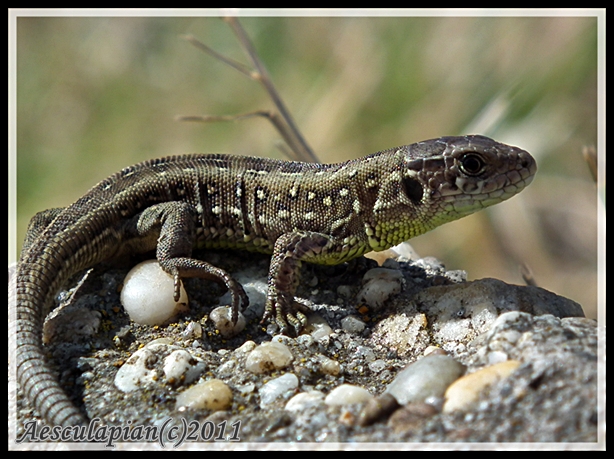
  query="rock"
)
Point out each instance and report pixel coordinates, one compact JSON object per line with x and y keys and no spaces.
{"x":555,"y":383}
{"x":497,"y":296}
{"x":427,"y":377}
{"x":411,"y":416}
{"x":405,"y":332}
{"x":328,"y":366}
{"x":142,"y":368}
{"x":352,"y":324}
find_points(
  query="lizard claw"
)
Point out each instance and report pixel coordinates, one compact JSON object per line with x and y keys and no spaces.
{"x":289,"y":318}
{"x":239,"y":300}
{"x":177,"y":287}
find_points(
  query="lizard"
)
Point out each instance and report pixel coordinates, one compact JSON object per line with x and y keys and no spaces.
{"x":295,"y":211}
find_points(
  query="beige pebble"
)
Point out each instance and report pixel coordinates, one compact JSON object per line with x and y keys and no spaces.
{"x":465,"y":391}
{"x":268,"y":357}
{"x":222,"y":320}
{"x":346,"y":394}
{"x":212,"y":395}
{"x":329,"y":366}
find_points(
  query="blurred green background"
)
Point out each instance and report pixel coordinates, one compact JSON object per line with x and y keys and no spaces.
{"x":97,"y":94}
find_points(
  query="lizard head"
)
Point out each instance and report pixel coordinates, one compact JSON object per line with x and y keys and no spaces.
{"x":442,"y":180}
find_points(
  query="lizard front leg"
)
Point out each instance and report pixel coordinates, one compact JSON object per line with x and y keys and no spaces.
{"x":289,"y":251}
{"x":175,"y":223}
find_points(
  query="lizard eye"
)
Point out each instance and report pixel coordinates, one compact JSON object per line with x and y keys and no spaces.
{"x":472,"y":164}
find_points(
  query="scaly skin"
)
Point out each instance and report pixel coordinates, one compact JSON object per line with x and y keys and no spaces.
{"x":298,"y":212}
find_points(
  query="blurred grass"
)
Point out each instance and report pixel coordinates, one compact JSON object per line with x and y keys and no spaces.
{"x":97,"y":94}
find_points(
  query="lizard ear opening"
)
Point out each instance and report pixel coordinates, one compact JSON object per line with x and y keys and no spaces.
{"x":413,"y":189}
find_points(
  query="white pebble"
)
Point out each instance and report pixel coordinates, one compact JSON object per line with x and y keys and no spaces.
{"x":379,"y":284}
{"x":429,"y":376}
{"x":212,"y":395}
{"x":496,"y":357}
{"x":268,"y":357}
{"x":246,"y":389}
{"x":346,"y":394}
{"x":304,"y":400}
{"x":227,"y":369}
{"x":193,"y":330}
{"x":222,"y":320}
{"x":181,"y":366}
{"x":377,"y":365}
{"x":283,"y":387}
{"x":140,"y":369}
{"x":352,"y":324}
{"x":319,"y":331}
{"x":147,"y":295}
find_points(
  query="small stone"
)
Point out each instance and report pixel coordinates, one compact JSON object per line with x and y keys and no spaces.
{"x":222,"y":320}
{"x":147,"y":295}
{"x":379,"y":284}
{"x":346,"y":394}
{"x":247,"y":346}
{"x":329,"y":366}
{"x":317,"y":327}
{"x":282,"y":387}
{"x":181,"y":366}
{"x":212,"y":395}
{"x":377,"y":408}
{"x":429,"y":376}
{"x":347,"y":418}
{"x":72,"y":323}
{"x":227,"y":369}
{"x":352,"y":324}
{"x":377,"y":365}
{"x":496,"y":357}
{"x":304,"y":400}
{"x":141,"y":368}
{"x":404,"y":332}
{"x":466,"y":390}
{"x":193,"y":330}
{"x":365,"y":353}
{"x":411,"y":416}
{"x":246,"y":389}
{"x":268,"y":357}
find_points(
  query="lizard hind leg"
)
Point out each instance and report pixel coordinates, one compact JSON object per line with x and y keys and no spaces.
{"x":171,"y":225}
{"x":183,"y":267}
